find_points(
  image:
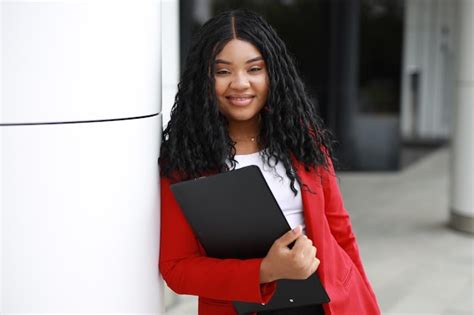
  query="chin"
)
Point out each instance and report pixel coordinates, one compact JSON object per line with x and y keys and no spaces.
{"x":241,"y":118}
{"x":242,"y":114}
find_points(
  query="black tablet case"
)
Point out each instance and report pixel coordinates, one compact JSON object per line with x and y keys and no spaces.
{"x":235,"y":215}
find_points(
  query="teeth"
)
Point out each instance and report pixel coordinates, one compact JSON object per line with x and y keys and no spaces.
{"x":240,"y":101}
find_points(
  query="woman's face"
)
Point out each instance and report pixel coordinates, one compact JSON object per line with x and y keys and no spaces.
{"x":241,"y":81}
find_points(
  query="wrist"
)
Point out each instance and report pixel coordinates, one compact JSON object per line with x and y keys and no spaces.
{"x":265,"y":272}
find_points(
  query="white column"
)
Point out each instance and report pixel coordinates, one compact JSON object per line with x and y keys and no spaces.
{"x":170,"y":78}
{"x":80,"y":134}
{"x":171,"y":55}
{"x":427,"y":71}
{"x":462,"y":181}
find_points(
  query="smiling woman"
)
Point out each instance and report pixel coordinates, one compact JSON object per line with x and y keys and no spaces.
{"x":241,"y":102}
{"x":241,"y":85}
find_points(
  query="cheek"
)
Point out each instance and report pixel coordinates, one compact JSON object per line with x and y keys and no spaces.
{"x":264,"y":84}
{"x":220,"y":87}
{"x":263,"y":87}
{"x":219,"y":90}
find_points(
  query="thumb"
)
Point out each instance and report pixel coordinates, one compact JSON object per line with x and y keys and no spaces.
{"x":290,"y":236}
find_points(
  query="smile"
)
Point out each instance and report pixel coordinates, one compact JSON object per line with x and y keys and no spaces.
{"x":240,"y":100}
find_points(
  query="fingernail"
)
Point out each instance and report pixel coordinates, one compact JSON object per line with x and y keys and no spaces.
{"x":297,"y":229}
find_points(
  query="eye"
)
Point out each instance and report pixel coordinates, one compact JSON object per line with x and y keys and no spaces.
{"x":222,"y":72}
{"x":255,"y":69}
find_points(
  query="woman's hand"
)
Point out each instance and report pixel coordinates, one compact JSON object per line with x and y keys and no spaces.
{"x":282,"y":262}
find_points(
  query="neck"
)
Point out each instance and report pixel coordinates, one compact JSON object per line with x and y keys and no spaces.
{"x":244,"y":129}
{"x":242,"y":132}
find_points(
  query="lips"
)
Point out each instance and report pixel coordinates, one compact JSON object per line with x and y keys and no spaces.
{"x":243,"y":100}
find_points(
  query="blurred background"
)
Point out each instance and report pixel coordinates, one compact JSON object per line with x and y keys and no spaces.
{"x":87,"y":86}
{"x":381,"y":71}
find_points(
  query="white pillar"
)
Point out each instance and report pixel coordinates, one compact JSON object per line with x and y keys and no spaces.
{"x":171,"y":54}
{"x":80,"y":134}
{"x":462,"y":181}
{"x":170,"y":79}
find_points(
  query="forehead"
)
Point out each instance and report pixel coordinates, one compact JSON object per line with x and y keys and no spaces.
{"x":238,"y":50}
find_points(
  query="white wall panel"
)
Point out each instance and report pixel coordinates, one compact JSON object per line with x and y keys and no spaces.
{"x":80,"y":217}
{"x":170,"y":55}
{"x":80,"y":60}
{"x":462,"y":167}
{"x":462,"y":188}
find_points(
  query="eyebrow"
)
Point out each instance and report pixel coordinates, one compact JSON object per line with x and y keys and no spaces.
{"x":248,"y":61}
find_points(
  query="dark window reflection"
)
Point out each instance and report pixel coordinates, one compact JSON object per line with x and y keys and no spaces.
{"x":381,"y":32}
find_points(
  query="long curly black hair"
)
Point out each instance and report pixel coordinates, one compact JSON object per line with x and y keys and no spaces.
{"x":196,"y":141}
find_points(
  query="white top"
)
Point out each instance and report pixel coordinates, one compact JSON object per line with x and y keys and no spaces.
{"x":279,"y":183}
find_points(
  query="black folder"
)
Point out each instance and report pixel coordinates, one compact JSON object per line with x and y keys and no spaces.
{"x":235,"y":215}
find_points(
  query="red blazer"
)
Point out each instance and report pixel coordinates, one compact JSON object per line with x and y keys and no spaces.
{"x":186,"y":269}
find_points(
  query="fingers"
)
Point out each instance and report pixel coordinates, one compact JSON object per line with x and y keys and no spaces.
{"x":299,"y":262}
{"x":290,"y":236}
{"x":304,"y":246}
{"x":304,"y":256}
{"x":314,"y":266}
{"x":309,"y":252}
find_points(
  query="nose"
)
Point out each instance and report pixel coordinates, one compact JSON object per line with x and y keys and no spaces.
{"x":240,"y":81}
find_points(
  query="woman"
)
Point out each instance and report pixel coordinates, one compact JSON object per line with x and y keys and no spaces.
{"x":241,"y":102}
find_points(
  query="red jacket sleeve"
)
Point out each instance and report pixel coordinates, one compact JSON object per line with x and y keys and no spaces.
{"x":187,"y":271}
{"x":339,"y":221}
